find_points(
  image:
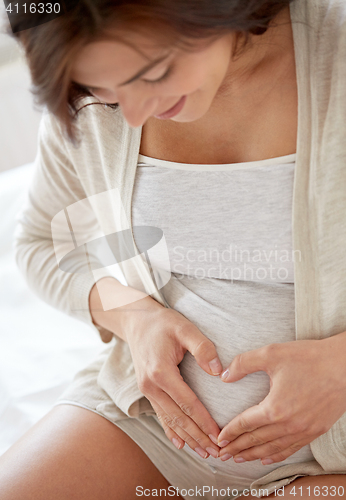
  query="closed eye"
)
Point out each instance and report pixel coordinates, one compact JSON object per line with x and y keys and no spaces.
{"x":93,"y":89}
{"x":161,"y":79}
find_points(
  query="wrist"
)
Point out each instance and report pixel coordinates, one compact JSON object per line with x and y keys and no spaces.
{"x":129,"y":306}
{"x":137,"y":313}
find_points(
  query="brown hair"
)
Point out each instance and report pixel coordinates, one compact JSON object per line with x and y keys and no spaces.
{"x":51,"y":47}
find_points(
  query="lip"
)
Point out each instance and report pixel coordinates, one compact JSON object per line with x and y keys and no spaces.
{"x":172,"y":111}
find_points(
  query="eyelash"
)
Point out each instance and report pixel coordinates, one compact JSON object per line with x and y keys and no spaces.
{"x":152,"y":82}
{"x":91,"y":90}
{"x":161,"y":79}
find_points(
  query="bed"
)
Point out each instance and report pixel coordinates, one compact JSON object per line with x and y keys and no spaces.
{"x":41,"y":348}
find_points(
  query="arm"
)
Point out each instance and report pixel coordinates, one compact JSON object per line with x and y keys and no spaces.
{"x":113,"y":319}
{"x":54,"y":187}
{"x":143,"y":324}
{"x":158,"y":339}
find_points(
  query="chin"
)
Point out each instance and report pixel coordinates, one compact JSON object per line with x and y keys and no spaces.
{"x":188,"y":117}
{"x":182,"y":119}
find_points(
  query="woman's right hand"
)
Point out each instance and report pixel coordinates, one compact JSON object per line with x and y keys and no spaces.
{"x":158,"y":339}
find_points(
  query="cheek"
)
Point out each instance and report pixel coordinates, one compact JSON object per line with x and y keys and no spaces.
{"x":188,"y":80}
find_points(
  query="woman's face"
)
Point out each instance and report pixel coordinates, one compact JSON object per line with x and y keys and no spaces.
{"x":150,"y":79}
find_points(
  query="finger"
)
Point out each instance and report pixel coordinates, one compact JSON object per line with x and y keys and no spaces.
{"x":184,"y":397}
{"x":282,"y":455}
{"x":280,"y":449}
{"x":201,"y":348}
{"x":172,"y":436}
{"x":256,"y":438}
{"x":167,"y":421}
{"x":185,"y":427}
{"x":248,"y":362}
{"x":248,"y":421}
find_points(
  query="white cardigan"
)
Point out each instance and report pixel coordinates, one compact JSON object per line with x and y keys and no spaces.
{"x":107,"y":159}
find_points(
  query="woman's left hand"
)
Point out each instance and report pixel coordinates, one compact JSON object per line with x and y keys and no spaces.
{"x":307,"y":396}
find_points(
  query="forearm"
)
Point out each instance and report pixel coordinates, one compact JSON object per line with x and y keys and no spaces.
{"x":130,"y":304}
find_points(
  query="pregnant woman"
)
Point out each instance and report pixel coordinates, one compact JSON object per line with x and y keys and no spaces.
{"x":221,"y":124}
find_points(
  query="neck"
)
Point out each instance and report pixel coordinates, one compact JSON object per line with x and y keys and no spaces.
{"x":260,"y":53}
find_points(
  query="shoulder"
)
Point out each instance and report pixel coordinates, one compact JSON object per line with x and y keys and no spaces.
{"x":95,"y":123}
{"x":95,"y":119}
{"x":328,"y":18}
{"x":102,"y":138}
{"x":321,"y":36}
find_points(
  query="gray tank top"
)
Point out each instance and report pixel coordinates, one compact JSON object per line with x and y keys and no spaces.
{"x":228,"y":230}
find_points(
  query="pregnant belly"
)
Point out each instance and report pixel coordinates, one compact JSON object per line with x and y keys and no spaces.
{"x":237,"y":317}
{"x":224,"y":401}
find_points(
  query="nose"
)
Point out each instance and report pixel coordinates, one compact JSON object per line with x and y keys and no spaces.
{"x":137,"y":109}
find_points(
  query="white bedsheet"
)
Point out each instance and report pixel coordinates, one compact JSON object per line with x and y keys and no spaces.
{"x":40,"y":348}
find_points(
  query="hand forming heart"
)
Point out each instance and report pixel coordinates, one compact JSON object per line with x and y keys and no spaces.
{"x":307,"y":396}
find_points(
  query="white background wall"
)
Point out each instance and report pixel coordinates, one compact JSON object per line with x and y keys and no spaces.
{"x":19,"y":119}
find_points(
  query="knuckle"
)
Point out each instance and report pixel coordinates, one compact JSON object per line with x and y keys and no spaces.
{"x":165,"y":427}
{"x":143,"y":385}
{"x":270,"y":351}
{"x":244,"y":424}
{"x":159,"y":415}
{"x":155,"y":374}
{"x":295,"y":447}
{"x":164,"y":421}
{"x":187,"y":409}
{"x":203,"y":348}
{"x":316,"y":430}
{"x":299,"y":427}
{"x":276,"y":414}
{"x":177,"y":421}
{"x":276,"y":448}
{"x":292,"y":427}
{"x":255,"y":441}
{"x":167,"y":421}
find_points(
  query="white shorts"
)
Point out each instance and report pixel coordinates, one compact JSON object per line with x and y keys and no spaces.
{"x":194,"y":477}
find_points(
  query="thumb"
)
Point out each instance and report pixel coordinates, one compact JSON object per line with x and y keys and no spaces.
{"x":203,"y":350}
{"x":243,"y":364}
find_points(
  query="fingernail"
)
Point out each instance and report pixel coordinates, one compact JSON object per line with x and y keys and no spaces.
{"x":225,"y":375}
{"x":213,"y":439}
{"x":212,"y":452}
{"x":223,"y":443}
{"x":226,"y":457}
{"x":176,"y":443}
{"x":202,"y":453}
{"x":267,"y":461}
{"x":239,"y":460}
{"x":215,"y":366}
